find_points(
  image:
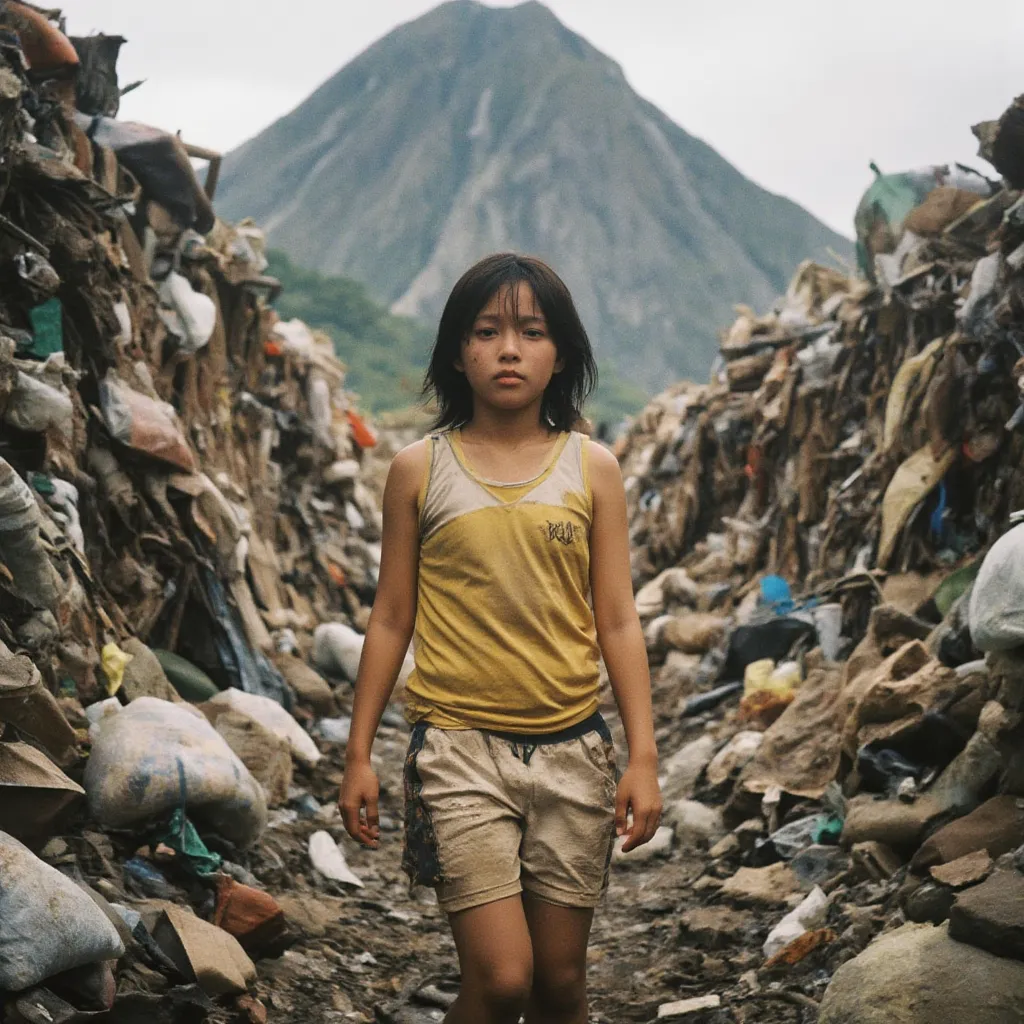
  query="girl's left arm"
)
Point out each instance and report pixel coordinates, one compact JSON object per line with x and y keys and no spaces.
{"x":622,"y":645}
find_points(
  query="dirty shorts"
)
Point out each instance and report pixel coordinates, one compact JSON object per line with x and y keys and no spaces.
{"x":488,"y":815}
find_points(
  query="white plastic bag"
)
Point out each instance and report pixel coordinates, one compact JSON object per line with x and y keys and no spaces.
{"x":48,"y":925}
{"x":191,"y":316}
{"x":328,"y":859}
{"x":272,"y":717}
{"x":810,"y":914}
{"x":996,"y":609}
{"x":153,"y":756}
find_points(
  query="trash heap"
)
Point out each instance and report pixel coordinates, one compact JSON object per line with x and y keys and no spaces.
{"x":188,"y":517}
{"x":825,"y":533}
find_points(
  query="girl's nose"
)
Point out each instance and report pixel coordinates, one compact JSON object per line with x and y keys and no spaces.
{"x":509,"y":345}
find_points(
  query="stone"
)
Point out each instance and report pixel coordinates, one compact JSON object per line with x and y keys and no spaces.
{"x":693,"y":821}
{"x":144,"y":675}
{"x":714,"y":927}
{"x":964,"y":871}
{"x":734,"y":756}
{"x":991,"y":915}
{"x":997,"y":826}
{"x":724,"y":847}
{"x":917,"y":974}
{"x":310,"y":687}
{"x":768,"y":886}
{"x":929,"y":903}
{"x":659,"y":846}
{"x":204,"y":952}
{"x":688,"y":1007}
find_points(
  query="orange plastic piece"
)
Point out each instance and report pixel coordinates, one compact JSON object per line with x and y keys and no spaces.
{"x":361,"y":433}
{"x":336,"y":573}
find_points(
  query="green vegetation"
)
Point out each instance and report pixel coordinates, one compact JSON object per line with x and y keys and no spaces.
{"x":385,"y":354}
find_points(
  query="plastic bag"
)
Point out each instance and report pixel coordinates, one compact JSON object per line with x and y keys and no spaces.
{"x":48,"y":925}
{"x":191,"y":315}
{"x":36,"y":407}
{"x":35,"y":578}
{"x":159,"y":163}
{"x":996,"y":610}
{"x":153,"y":757}
{"x":143,"y":423}
{"x":810,"y":914}
{"x":329,"y":860}
{"x":272,"y":716}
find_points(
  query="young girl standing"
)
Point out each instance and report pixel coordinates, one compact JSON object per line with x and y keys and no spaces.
{"x":505,"y":548}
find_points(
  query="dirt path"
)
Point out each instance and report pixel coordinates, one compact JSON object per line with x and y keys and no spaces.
{"x":377,"y":954}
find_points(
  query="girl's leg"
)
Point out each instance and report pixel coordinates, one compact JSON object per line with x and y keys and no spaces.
{"x":496,"y":962}
{"x":559,"y":937}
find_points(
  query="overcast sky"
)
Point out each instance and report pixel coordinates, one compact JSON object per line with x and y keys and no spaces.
{"x":799,"y":94}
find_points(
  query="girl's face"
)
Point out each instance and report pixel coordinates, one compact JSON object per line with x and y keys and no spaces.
{"x":509,"y":357}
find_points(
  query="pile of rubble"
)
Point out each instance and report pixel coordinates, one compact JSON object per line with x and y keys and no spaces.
{"x":830,"y":583}
{"x":188,"y":516}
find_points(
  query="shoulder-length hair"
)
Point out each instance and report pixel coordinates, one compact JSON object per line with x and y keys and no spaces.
{"x":569,"y":389}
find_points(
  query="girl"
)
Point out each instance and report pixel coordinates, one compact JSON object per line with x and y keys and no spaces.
{"x":505,"y":545}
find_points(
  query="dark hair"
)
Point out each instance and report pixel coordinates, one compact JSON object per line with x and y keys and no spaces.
{"x":568,"y":390}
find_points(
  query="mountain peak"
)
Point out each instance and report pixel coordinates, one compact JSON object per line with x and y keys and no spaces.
{"x":475,"y":129}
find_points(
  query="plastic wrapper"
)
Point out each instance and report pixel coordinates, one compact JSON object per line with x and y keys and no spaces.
{"x":144,"y":424}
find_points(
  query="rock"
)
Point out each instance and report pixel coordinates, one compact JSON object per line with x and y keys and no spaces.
{"x":688,"y":1007}
{"x":312,"y":915}
{"x":715,"y":927}
{"x":204,"y":952}
{"x":693,"y":821}
{"x":876,"y":860}
{"x":659,"y":846}
{"x":734,"y":756}
{"x":310,"y":687}
{"x":996,"y":826}
{"x":267,"y":756}
{"x":144,"y":675}
{"x":768,"y":886}
{"x":919,"y":975}
{"x":724,"y":847}
{"x":964,"y":871}
{"x":991,"y":915}
{"x":930,"y":903}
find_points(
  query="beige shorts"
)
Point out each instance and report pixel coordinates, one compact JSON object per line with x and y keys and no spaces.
{"x":487,"y":816}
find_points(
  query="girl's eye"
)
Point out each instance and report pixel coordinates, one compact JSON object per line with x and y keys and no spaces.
{"x":533,"y":332}
{"x":485,"y":332}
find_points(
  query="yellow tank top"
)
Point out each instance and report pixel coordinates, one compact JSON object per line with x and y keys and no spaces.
{"x":505,"y":635}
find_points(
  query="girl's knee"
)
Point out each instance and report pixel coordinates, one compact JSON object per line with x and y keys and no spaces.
{"x":504,"y":986}
{"x":562,"y":988}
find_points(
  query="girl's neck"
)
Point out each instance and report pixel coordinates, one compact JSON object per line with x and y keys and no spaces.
{"x":506,"y":428}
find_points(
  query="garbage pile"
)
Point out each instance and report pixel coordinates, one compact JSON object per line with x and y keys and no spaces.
{"x":829,"y":569}
{"x":187,"y":519}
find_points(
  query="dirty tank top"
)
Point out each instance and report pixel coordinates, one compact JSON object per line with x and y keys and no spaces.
{"x":505,"y":636}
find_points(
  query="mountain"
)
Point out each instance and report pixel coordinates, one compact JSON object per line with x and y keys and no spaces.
{"x":477,"y":129}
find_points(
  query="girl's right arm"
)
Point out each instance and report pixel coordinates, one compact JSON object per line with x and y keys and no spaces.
{"x":387,"y":639}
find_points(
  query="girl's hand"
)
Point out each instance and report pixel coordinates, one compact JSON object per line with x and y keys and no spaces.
{"x":358,"y":803}
{"x":640,"y":796}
